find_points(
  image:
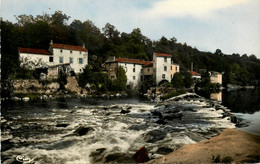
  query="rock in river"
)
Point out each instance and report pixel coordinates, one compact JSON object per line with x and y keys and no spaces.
{"x":154,"y":135}
{"x":63,"y":125}
{"x":83,"y":130}
{"x":125,"y":111}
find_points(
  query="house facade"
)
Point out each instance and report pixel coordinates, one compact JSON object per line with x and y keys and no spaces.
{"x":163,"y":68}
{"x":58,"y":54}
{"x":139,"y":70}
{"x":215,"y":77}
{"x":34,"y":58}
{"x":174,"y":69}
{"x":132,"y":67}
{"x":195,"y":75}
{"x":76,"y":56}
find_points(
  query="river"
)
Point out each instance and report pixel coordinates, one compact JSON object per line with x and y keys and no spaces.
{"x":47,"y":131}
{"x":244,"y":103}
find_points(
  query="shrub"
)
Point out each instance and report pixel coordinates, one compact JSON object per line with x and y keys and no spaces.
{"x":173,"y":94}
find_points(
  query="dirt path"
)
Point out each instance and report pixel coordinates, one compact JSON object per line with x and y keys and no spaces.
{"x":231,"y":145}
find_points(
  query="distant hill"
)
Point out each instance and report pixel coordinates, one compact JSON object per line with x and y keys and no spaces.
{"x":36,"y":32}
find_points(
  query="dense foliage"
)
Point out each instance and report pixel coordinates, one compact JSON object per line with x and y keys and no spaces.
{"x":36,"y":32}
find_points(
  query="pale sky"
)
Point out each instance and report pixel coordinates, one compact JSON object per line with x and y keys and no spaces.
{"x":230,"y":25}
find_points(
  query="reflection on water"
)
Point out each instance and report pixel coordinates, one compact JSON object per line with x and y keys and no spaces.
{"x":216,"y":96}
{"x":254,"y":120}
{"x":244,"y":103}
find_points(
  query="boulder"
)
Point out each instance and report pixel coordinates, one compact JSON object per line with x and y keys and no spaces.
{"x":233,"y":119}
{"x":154,"y":135}
{"x":161,"y":121}
{"x":125,"y":111}
{"x":97,"y":155}
{"x":63,"y":125}
{"x":119,"y":158}
{"x":83,"y":130}
{"x":138,"y":127}
{"x":225,"y":114}
{"x":157,"y":113}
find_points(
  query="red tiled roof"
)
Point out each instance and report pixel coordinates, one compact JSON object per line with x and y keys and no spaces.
{"x":134,"y":61}
{"x":194,"y":73}
{"x":69,"y":47}
{"x":34,"y":51}
{"x":163,"y":55}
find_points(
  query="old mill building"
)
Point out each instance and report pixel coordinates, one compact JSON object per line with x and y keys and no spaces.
{"x":58,"y":56}
{"x":161,"y":68}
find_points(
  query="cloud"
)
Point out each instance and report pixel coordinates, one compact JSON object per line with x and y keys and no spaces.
{"x":183,"y":8}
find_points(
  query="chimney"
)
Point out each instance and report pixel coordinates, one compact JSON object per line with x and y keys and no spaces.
{"x":51,"y":43}
{"x":83,"y":45}
{"x":191,"y":66}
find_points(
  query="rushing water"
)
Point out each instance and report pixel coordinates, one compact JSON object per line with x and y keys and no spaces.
{"x":45,"y":130}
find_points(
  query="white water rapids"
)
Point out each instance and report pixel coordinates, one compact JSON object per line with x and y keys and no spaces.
{"x":113,"y":136}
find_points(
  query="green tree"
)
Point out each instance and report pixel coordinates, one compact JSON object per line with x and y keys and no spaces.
{"x":187,"y":81}
{"x":177,"y":80}
{"x":62,"y":80}
{"x":85,"y":77}
{"x":121,"y":79}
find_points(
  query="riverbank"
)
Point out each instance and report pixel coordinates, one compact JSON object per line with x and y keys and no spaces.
{"x":231,"y":145}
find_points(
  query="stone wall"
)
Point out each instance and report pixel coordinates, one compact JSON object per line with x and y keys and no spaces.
{"x":33,"y":86}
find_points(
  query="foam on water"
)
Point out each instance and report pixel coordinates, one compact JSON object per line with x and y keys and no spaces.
{"x":112,"y":131}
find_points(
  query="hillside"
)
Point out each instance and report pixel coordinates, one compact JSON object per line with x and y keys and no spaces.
{"x":36,"y":32}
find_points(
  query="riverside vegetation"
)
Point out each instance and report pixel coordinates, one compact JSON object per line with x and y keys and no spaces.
{"x":36,"y":32}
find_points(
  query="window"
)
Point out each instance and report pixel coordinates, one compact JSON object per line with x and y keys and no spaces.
{"x":61,"y":51}
{"x":176,"y":68}
{"x":165,"y":59}
{"x":171,"y":67}
{"x":71,"y":60}
{"x":61,"y":59}
{"x":134,"y":65}
{"x":133,"y":69}
{"x":50,"y":59}
{"x":79,"y":52}
{"x":148,"y":70}
{"x":80,"y":61}
{"x":163,"y":76}
{"x":133,"y":77}
{"x":165,"y":68}
{"x":71,"y":51}
{"x":112,"y":77}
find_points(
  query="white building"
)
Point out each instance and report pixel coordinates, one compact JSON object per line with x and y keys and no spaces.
{"x":215,"y":77}
{"x":195,"y":75}
{"x":163,"y":67}
{"x":77,"y":56}
{"x":57,"y":54}
{"x":34,"y":58}
{"x":132,"y":67}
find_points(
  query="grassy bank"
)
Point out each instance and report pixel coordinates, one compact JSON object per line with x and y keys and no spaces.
{"x":173,"y":94}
